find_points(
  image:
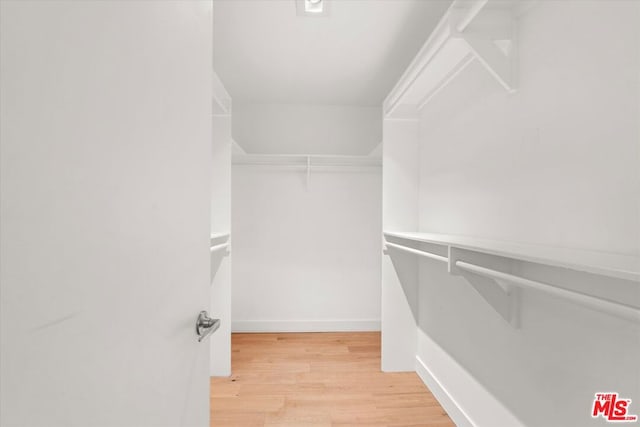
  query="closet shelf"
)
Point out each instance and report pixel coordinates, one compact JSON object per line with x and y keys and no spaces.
{"x":221,"y":246}
{"x":504,"y":284}
{"x":306,"y":160}
{"x":599,"y":263}
{"x":219,"y":241}
{"x":478,"y":30}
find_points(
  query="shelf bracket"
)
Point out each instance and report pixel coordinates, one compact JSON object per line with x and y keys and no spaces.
{"x":503,"y":297}
{"x":491,"y":55}
{"x":491,"y":39}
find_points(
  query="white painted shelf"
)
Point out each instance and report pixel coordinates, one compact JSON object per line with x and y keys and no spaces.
{"x":471,"y":31}
{"x":310,"y":162}
{"x":306,"y":160}
{"x":219,"y":241}
{"x":600,"y":263}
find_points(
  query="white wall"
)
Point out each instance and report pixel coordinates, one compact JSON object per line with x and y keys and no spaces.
{"x":400,"y":275}
{"x":306,"y":259}
{"x":557,"y":163}
{"x":306,"y":129}
{"x":220,"y":362}
{"x":221,"y":175}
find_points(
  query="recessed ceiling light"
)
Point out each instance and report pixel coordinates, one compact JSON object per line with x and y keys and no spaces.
{"x":312,"y":7}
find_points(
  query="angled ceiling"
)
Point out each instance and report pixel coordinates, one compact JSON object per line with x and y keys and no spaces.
{"x":265,"y":53}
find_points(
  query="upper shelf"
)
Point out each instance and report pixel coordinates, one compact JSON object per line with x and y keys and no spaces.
{"x":306,"y":161}
{"x":600,"y":263}
{"x":218,"y":238}
{"x":477,"y":30}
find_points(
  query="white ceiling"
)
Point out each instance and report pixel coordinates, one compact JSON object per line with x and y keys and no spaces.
{"x":265,"y":53}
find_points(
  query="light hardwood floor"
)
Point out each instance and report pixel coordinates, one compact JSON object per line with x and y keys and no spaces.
{"x":318,"y":379}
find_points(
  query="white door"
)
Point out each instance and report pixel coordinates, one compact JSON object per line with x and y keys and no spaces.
{"x":105,"y":154}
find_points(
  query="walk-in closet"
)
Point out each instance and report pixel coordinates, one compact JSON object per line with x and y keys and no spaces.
{"x":319,"y":213}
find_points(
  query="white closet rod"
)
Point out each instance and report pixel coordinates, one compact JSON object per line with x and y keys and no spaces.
{"x":599,"y":304}
{"x":219,"y":247}
{"x":418,"y":252}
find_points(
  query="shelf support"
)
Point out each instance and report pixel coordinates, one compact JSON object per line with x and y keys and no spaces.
{"x":615,"y":308}
{"x":491,"y":54}
{"x":502,"y":296}
{"x":491,"y":38}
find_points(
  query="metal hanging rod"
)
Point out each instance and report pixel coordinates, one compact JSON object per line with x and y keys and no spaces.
{"x":596,"y":303}
{"x":418,"y":252}
{"x":599,"y":304}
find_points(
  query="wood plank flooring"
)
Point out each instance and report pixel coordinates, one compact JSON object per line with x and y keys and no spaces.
{"x":318,"y":379}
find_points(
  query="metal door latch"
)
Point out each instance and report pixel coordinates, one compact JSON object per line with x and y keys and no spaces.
{"x":205,"y":325}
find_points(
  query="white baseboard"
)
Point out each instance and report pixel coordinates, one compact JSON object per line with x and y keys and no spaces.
{"x":305,"y":325}
{"x":447,"y":402}
{"x":466,"y":401}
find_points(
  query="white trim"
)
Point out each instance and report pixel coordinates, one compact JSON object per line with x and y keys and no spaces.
{"x":359,"y":325}
{"x":447,"y":401}
{"x":466,"y":401}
